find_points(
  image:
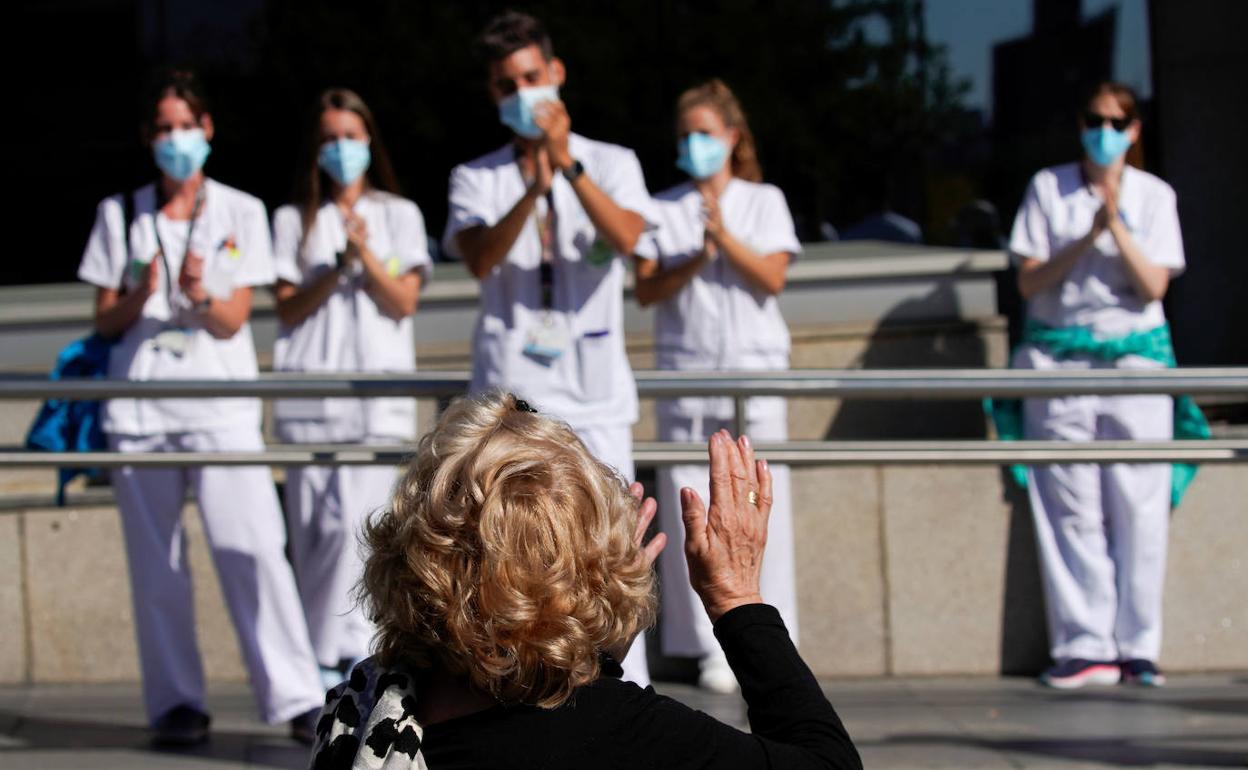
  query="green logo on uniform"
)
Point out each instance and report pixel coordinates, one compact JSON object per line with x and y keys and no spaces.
{"x":599,"y":254}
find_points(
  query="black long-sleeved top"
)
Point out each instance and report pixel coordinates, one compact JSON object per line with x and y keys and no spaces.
{"x":611,"y":723}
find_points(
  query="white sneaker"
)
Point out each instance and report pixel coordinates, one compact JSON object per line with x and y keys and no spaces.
{"x":715,"y":675}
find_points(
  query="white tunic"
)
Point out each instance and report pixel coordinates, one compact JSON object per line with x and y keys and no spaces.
{"x":1101,"y":530}
{"x":231,"y":233}
{"x":1097,"y":293}
{"x":719,"y":320}
{"x":590,"y":382}
{"x":348,"y":332}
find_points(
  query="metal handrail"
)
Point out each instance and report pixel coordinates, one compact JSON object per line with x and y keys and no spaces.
{"x":654,"y":453}
{"x":737,"y":385}
{"x":805,"y":383}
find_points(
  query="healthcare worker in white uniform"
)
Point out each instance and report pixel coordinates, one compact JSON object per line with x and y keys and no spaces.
{"x":542,"y":222}
{"x":351,"y":258}
{"x":1096,"y":243}
{"x":174,"y":265}
{"x":715,"y":267}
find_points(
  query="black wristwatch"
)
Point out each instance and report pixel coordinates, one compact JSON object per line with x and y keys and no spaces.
{"x":573,"y":172}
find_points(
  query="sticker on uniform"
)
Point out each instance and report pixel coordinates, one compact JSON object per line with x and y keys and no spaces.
{"x":230,"y":248}
{"x":546,"y":342}
{"x":599,"y":253}
{"x":392,"y":267}
{"x":137,"y":266}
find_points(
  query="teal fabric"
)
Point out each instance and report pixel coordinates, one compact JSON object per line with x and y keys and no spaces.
{"x":1069,"y":341}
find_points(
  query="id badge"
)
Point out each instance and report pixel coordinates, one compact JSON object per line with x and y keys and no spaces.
{"x":546,"y":341}
{"x":176,"y":341}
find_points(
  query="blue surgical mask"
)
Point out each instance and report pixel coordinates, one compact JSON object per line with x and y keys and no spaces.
{"x":344,"y":160}
{"x":516,"y":111}
{"x":701,"y":155}
{"x":1105,"y":145}
{"x":180,"y":154}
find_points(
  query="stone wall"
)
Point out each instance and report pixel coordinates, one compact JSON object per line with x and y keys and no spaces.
{"x":917,"y":570}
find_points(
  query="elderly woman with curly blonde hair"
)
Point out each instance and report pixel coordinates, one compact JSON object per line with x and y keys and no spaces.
{"x":507,"y":577}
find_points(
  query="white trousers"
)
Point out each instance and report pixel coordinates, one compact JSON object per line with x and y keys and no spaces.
{"x":687,"y":630}
{"x":326,"y":508}
{"x":613,"y":445}
{"x":243,"y":524}
{"x":1101,"y":529}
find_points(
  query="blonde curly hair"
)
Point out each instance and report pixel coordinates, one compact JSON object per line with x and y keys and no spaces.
{"x":506,"y":556}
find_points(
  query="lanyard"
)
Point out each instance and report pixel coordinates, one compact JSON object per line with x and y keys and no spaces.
{"x":190,"y":229}
{"x":547,"y":235}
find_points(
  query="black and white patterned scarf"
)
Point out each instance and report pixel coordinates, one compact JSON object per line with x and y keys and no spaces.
{"x":369,"y":723}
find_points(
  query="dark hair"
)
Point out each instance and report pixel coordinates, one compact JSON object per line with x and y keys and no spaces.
{"x":718,"y":96}
{"x":1128,"y":102}
{"x":507,"y":33}
{"x":170,"y":81}
{"x":308,"y":188}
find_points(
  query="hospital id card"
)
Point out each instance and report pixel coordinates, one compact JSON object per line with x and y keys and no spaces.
{"x":176,"y":341}
{"x":546,"y":341}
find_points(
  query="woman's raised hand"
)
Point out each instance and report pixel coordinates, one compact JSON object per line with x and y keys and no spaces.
{"x":645,"y":514}
{"x":724,"y":544}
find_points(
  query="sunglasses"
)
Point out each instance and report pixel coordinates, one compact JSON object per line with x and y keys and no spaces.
{"x":1094,"y":120}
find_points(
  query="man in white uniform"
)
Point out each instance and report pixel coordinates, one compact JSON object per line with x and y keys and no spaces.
{"x":542,"y":222}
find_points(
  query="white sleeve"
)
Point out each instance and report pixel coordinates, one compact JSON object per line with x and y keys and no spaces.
{"x":287,"y":232}
{"x":648,"y":245}
{"x":254,"y":245}
{"x":776,"y":232}
{"x":1162,"y":244}
{"x":619,"y":176}
{"x":1030,"y":236}
{"x":104,"y":259}
{"x":409,"y":242}
{"x":468,"y":206}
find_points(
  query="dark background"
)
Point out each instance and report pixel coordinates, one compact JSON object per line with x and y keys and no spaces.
{"x":855,"y":111}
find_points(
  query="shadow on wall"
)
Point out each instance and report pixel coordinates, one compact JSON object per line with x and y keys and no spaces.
{"x":926,"y":332}
{"x":945,"y":340}
{"x":1024,"y":635}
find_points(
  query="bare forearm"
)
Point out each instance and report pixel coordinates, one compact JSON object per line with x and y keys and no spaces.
{"x":115,"y":313}
{"x":396,"y":295}
{"x":1150,"y":281}
{"x":764,"y":273}
{"x":620,"y":227}
{"x":224,"y":317}
{"x":484,"y":248}
{"x":1034,"y":276}
{"x":653,"y":285}
{"x":294,"y":304}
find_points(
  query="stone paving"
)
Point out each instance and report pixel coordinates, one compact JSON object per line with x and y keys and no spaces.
{"x":1198,"y":721}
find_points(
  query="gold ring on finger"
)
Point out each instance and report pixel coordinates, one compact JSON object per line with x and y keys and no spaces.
{"x":753,"y":498}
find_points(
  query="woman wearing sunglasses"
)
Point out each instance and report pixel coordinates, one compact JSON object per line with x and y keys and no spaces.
{"x":715,"y":267}
{"x":351,"y":258}
{"x":1097,"y":242}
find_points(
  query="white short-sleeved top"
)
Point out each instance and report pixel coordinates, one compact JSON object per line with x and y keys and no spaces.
{"x":232,"y":234}
{"x":719,"y":320}
{"x":1097,"y":293}
{"x":591,"y":383}
{"x":348,"y":332}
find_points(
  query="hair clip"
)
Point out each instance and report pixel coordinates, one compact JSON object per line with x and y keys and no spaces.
{"x":523,"y":406}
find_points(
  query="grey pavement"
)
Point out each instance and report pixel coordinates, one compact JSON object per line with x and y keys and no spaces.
{"x":1198,"y":721}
